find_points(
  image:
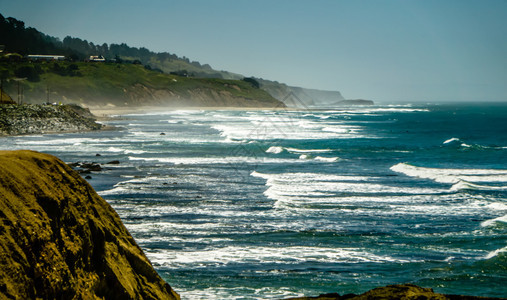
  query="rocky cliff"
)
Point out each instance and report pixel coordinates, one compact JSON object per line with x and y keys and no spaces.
{"x":60,"y":240}
{"x":300,"y":97}
{"x":33,"y":119}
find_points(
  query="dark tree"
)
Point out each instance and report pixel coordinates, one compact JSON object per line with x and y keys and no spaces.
{"x":30,"y":73}
{"x":252,"y":81}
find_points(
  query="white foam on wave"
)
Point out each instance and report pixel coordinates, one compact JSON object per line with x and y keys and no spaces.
{"x":457,"y":141}
{"x":285,"y":127}
{"x":307,"y":177}
{"x":291,"y":192}
{"x":126,"y":151}
{"x":275,"y":149}
{"x":464,"y":185}
{"x":327,"y":159}
{"x":136,"y":186}
{"x":289,"y":188}
{"x":451,"y":140}
{"x":174,"y":121}
{"x":492,"y":222}
{"x":114,"y":149}
{"x":214,"y":160}
{"x":376,"y":110}
{"x":135,"y":151}
{"x":265,"y":255}
{"x":294,"y":150}
{"x":462,"y":176}
{"x":279,"y":149}
{"x":337,"y":129}
{"x":495,"y":253}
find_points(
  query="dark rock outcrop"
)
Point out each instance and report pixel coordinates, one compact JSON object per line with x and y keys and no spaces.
{"x":60,"y":240}
{"x":34,"y":119}
{"x":354,"y":102}
{"x":396,"y":291}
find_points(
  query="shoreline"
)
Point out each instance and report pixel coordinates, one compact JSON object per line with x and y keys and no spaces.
{"x":45,"y":119}
{"x":106,"y":112}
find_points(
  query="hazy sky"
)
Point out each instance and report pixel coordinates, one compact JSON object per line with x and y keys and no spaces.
{"x":392,"y":50}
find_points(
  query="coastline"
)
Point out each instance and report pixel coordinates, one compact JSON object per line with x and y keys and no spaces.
{"x":107,"y":112}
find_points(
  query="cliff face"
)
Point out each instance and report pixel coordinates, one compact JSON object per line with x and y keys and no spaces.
{"x":300,"y":97}
{"x":218,"y":94}
{"x":30,"y":119}
{"x":60,"y":240}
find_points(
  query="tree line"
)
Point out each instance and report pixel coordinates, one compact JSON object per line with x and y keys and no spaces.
{"x":27,"y":40}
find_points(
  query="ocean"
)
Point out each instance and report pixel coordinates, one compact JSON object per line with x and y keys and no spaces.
{"x":262,"y":204}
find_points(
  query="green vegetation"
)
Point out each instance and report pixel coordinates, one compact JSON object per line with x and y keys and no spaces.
{"x":129,"y":76}
{"x":19,"y":39}
{"x":125,"y":84}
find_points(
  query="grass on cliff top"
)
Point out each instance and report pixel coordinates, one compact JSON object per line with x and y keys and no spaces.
{"x":93,"y":81}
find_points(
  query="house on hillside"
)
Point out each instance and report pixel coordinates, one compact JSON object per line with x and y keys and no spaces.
{"x":45,"y":57}
{"x":97,"y":58}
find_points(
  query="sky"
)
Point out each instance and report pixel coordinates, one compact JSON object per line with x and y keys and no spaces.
{"x":382,"y":50}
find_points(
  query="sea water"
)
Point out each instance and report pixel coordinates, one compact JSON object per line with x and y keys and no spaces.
{"x":270,"y":204}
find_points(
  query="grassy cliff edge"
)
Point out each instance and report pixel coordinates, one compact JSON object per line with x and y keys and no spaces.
{"x":114,"y":84}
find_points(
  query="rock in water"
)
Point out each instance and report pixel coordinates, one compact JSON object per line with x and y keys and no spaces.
{"x":395,"y":291}
{"x":60,"y":240}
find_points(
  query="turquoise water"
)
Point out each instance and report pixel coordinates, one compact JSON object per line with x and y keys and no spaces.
{"x":271,"y":204}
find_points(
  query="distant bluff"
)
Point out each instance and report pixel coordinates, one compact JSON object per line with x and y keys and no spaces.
{"x":60,"y":240}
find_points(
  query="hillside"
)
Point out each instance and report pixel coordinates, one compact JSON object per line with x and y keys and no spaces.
{"x":18,"y":39}
{"x":60,"y":240}
{"x":126,"y":84}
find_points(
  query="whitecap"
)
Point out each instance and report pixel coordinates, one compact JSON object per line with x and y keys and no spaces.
{"x":114,"y":149}
{"x":135,"y":151}
{"x":327,"y":159}
{"x":454,"y":176}
{"x":266,"y":255}
{"x":464,"y":185}
{"x":487,"y":223}
{"x":495,"y":253}
{"x":295,"y":150}
{"x":213,"y":160}
{"x":275,"y":149}
{"x":451,"y":140}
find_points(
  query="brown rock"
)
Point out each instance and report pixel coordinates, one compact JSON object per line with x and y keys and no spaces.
{"x":397,"y":291}
{"x":60,"y":240}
